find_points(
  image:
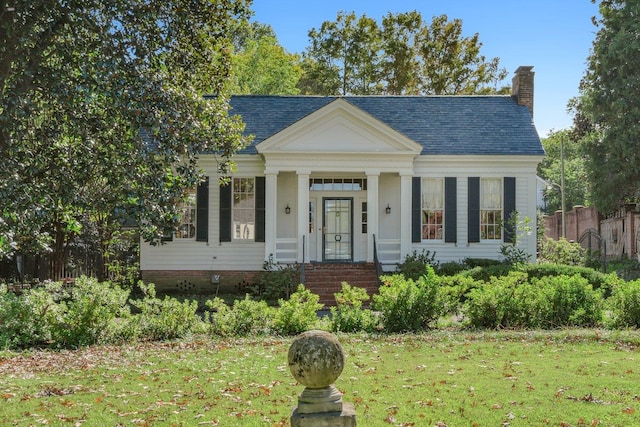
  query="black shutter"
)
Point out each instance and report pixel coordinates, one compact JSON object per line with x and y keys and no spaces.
{"x":450,"y":210}
{"x":509,"y":209}
{"x":225,"y":212}
{"x":416,"y":210}
{"x":202,"y":211}
{"x":260,"y":208}
{"x":473,"y":209}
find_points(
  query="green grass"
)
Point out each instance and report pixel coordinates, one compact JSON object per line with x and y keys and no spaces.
{"x":560,"y":378}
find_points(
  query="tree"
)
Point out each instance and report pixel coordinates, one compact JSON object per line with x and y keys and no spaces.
{"x":405,"y":56}
{"x":343,"y":57}
{"x":261,"y":66}
{"x":609,"y":106}
{"x":451,"y":64}
{"x":102,"y":114}
{"x":576,"y":186}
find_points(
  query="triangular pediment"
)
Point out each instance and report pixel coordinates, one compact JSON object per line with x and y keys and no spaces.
{"x":339,"y":127}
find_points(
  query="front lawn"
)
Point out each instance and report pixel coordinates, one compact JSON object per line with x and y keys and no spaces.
{"x":455,"y":378}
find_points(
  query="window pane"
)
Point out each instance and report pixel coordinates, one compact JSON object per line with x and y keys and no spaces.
{"x":243,"y":208}
{"x":432,"y":208}
{"x":187,"y":227}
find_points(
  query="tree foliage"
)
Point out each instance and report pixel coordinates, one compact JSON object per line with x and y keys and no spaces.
{"x":102,"y":115}
{"x":576,"y":185}
{"x":609,"y":106}
{"x":404,"y":55}
{"x":261,"y":66}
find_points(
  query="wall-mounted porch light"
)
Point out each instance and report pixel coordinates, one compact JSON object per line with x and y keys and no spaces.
{"x":388,"y":209}
{"x":287,"y":210}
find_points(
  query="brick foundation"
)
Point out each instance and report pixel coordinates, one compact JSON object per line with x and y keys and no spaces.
{"x":198,"y":281}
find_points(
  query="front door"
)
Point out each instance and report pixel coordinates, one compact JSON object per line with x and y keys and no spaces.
{"x":337,"y":226}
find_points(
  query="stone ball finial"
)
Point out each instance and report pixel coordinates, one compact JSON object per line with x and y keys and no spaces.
{"x":316,"y":359}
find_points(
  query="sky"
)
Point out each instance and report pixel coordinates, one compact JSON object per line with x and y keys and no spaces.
{"x":554,"y":36}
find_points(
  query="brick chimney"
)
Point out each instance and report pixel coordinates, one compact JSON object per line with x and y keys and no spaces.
{"x":522,"y":86}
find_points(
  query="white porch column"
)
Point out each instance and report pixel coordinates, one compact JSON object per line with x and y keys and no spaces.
{"x":405,"y":216}
{"x":302,"y":207}
{"x":270,"y":214}
{"x":373,"y":212}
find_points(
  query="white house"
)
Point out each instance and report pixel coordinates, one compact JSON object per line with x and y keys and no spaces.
{"x":326,"y":177}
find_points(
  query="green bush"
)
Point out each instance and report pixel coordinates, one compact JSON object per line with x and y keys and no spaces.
{"x":247,"y":317}
{"x":348,"y":314}
{"x":274,"y":282}
{"x":624,"y":305}
{"x":415,"y":265}
{"x":486,"y":272}
{"x":495,"y":303}
{"x":450,"y":268}
{"x":298,"y":313}
{"x":454,"y":290}
{"x":89,"y":316}
{"x":513,"y":302}
{"x":561,"y":251}
{"x":164,"y":319}
{"x":598,"y":280}
{"x":406,"y":305}
{"x":27,"y":320}
{"x":480,"y":262}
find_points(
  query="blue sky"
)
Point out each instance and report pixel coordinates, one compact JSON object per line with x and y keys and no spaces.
{"x":555,"y":36}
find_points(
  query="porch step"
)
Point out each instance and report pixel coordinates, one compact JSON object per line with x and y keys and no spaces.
{"x":326,"y":279}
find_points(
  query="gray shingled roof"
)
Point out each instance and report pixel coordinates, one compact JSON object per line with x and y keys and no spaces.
{"x":441,"y":124}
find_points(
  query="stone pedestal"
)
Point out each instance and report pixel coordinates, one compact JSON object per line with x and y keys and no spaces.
{"x":344,"y":418}
{"x":316,"y":360}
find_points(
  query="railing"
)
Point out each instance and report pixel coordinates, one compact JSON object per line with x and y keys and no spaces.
{"x":302,"y":274}
{"x":376,"y":261}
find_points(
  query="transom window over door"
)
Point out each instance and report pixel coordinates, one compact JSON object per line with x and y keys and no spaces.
{"x":243,"y":213}
{"x":432,"y":208}
{"x":491,"y":208}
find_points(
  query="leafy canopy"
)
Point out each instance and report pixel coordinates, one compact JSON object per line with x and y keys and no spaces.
{"x":608,"y":110}
{"x":402,"y":55}
{"x":102,"y":113}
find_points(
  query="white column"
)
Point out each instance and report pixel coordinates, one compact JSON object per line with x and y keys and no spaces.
{"x":405,"y":216}
{"x":270,"y":214}
{"x":302,"y":208}
{"x":373,"y":211}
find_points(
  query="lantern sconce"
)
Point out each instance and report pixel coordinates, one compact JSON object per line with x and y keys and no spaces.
{"x":388,"y":209}
{"x":287,"y":210}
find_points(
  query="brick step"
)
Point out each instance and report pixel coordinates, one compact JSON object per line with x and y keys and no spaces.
{"x":326,"y":279}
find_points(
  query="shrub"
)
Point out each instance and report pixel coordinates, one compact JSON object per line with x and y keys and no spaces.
{"x":450,"y":268}
{"x":407,"y":305}
{"x":598,"y":280}
{"x":348,"y":314}
{"x":454,"y":290}
{"x":415,"y":265}
{"x":495,"y":303}
{"x":89,"y":316}
{"x":486,"y":272}
{"x":275,"y":282}
{"x":247,"y":317}
{"x":298,"y":313}
{"x":163,"y":319}
{"x":513,"y":302}
{"x":624,"y":305}
{"x":573,"y":302}
{"x":562,"y":252}
{"x":27,"y":320}
{"x":480,"y":262}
